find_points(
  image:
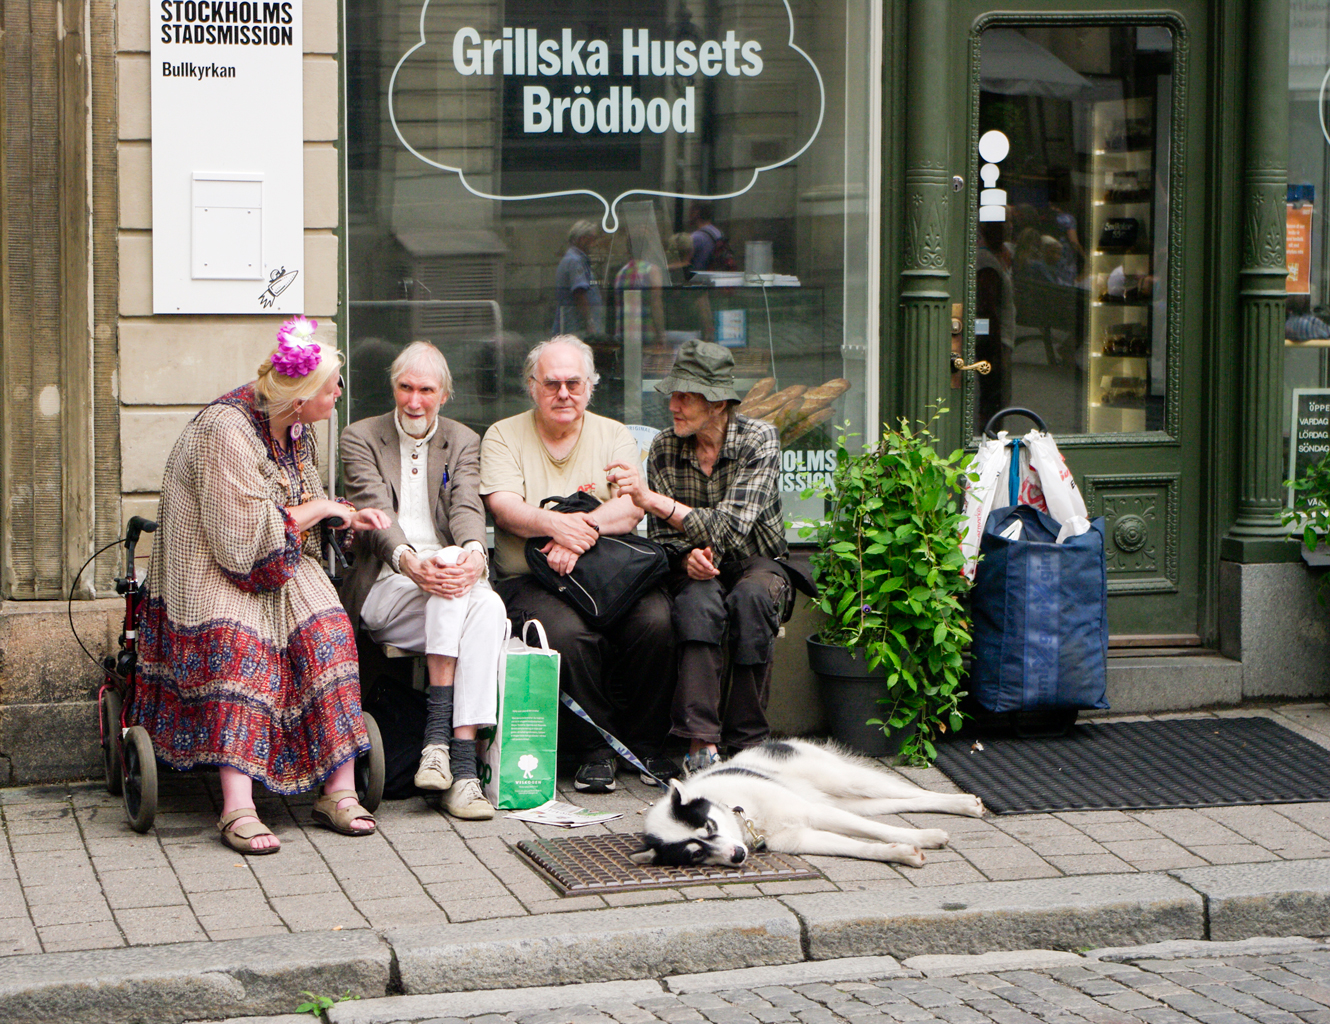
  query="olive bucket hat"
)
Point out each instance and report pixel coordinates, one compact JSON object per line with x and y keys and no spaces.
{"x":704,"y":368}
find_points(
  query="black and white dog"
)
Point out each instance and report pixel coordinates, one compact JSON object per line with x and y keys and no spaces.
{"x":797,"y":797}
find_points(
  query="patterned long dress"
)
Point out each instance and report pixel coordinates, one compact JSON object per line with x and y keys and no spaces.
{"x":246,"y":657}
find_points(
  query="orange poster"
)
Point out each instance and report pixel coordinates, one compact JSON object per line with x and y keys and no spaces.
{"x":1298,"y":248}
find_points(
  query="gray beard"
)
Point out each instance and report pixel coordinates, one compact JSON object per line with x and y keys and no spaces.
{"x":410,"y":428}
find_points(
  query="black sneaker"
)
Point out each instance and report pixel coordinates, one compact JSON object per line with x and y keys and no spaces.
{"x":662,"y":768}
{"x":595,"y":777}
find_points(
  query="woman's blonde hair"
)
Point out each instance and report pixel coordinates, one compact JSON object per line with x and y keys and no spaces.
{"x":278,"y":393}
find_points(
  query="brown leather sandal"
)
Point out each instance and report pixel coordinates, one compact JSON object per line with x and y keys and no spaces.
{"x":238,"y":837}
{"x":338,"y":819}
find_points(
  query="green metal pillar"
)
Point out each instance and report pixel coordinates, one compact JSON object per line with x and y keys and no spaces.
{"x":1256,"y":534}
{"x":925,"y":280}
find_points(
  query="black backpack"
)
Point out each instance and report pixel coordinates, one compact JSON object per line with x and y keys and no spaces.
{"x":607,"y":580}
{"x":722,"y":256}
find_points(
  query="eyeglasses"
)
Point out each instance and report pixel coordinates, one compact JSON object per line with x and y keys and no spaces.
{"x":341,"y":383}
{"x":575,"y":385}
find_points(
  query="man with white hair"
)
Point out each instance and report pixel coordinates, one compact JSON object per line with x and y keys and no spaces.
{"x":422,"y":584}
{"x":623,"y":676}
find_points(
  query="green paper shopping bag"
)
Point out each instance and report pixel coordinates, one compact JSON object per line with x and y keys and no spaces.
{"x":518,"y":754}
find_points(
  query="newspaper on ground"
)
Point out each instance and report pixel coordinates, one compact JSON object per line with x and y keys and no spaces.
{"x":564,"y":815}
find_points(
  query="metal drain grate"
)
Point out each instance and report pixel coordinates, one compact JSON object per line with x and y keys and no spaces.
{"x":599,"y":863}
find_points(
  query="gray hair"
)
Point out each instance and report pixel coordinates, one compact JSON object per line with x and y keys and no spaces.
{"x":582,"y":229}
{"x":576,"y":344}
{"x":423,"y":357}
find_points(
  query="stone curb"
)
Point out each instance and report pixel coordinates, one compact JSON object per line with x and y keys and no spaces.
{"x":809,"y":972}
{"x":1290,"y":897}
{"x":473,"y":1004}
{"x":690,"y":947}
{"x":1051,"y":913}
{"x":191,"y":980}
{"x":1186,"y":949}
{"x":948,"y":966}
{"x":597,"y":945}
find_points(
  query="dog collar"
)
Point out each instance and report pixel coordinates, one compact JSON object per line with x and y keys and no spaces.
{"x":758,"y":840}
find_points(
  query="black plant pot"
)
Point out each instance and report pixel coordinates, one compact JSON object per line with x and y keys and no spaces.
{"x":850,"y":692}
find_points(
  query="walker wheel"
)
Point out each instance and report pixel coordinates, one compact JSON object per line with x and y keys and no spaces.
{"x":109,"y":710}
{"x":369,"y":768}
{"x":140,"y":779}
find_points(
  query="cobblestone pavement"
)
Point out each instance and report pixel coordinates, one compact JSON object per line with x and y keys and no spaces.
{"x":74,"y":877}
{"x":1290,"y":987}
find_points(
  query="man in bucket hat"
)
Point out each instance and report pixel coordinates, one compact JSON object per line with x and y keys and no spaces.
{"x":712,"y":498}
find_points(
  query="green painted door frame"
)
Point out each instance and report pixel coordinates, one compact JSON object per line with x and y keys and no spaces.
{"x":1210,"y":478}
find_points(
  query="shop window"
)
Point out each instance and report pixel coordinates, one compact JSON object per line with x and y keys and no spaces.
{"x":1072,"y":224}
{"x":496,"y":151}
{"x":1307,"y":326}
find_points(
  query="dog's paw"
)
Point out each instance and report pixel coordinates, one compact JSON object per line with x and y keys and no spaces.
{"x":932,"y":838}
{"x":909,"y":855}
{"x":973,"y":806}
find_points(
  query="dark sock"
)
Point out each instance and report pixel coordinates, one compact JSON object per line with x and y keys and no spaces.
{"x":462,"y":759}
{"x":439,"y":717}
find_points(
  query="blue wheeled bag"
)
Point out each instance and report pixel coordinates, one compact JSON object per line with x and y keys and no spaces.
{"x":1040,"y":612}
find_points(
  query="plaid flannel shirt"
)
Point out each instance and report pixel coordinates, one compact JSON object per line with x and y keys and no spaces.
{"x":737,"y":510}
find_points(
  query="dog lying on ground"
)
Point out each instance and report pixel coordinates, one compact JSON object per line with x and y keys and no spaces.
{"x":798,"y":797}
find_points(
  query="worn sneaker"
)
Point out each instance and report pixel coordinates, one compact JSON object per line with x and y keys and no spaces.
{"x":595,"y":777}
{"x":434,"y":772}
{"x":662,"y":768}
{"x":694,"y":763}
{"x":465,"y":800}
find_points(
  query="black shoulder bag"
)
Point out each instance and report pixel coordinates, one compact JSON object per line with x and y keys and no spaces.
{"x":609,"y":578}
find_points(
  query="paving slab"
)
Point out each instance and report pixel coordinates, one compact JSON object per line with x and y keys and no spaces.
{"x":1271,"y":898}
{"x":474,"y":1004}
{"x":944,"y":965}
{"x":1056,"y":913}
{"x":191,"y":981}
{"x":1186,"y":949}
{"x":788,"y":975}
{"x":596,"y":945}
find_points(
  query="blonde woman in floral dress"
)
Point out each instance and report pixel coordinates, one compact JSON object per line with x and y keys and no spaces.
{"x":247,"y":660}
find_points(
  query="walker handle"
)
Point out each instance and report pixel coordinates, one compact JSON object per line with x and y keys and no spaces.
{"x":990,"y":430}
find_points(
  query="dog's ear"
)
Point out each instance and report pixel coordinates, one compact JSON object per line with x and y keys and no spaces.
{"x":644,"y":856}
{"x":676,"y":793}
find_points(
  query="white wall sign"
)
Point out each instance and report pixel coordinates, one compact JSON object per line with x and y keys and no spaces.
{"x":228,"y":180}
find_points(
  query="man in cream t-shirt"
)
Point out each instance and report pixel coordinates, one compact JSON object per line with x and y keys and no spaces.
{"x":623,"y":677}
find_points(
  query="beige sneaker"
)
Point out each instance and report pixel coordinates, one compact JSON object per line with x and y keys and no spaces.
{"x":434,"y":772}
{"x":465,"y":800}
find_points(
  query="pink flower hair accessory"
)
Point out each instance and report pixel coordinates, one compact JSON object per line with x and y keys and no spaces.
{"x":297,"y":352}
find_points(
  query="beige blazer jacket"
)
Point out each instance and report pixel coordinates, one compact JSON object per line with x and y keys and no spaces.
{"x":372,"y":473}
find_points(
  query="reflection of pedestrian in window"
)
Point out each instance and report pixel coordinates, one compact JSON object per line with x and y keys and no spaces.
{"x":644,"y":277}
{"x":1304,"y":324}
{"x":1064,"y":221}
{"x":995,"y":308}
{"x":706,"y":238}
{"x":679,"y":252}
{"x":1038,"y":256}
{"x":579,"y":309}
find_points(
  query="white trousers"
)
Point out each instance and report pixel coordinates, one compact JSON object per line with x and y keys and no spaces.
{"x":469,"y":628}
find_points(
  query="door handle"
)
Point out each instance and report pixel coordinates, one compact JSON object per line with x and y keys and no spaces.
{"x":982,"y":366}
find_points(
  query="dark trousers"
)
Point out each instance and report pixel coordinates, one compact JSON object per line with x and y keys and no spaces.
{"x":623,"y":677}
{"x":744,"y":606}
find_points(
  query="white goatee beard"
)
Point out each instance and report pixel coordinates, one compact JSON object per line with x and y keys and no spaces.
{"x":415,"y":426}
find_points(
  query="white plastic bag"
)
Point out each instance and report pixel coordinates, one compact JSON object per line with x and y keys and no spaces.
{"x":1061,"y":497}
{"x":983,"y":495}
{"x":1045,"y":482}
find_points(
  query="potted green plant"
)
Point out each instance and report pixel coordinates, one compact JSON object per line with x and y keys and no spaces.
{"x":888,"y":567}
{"x":1310,"y":515}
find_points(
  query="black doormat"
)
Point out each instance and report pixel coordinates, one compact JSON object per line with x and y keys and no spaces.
{"x":1194,"y":762}
{"x":601,"y":863}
